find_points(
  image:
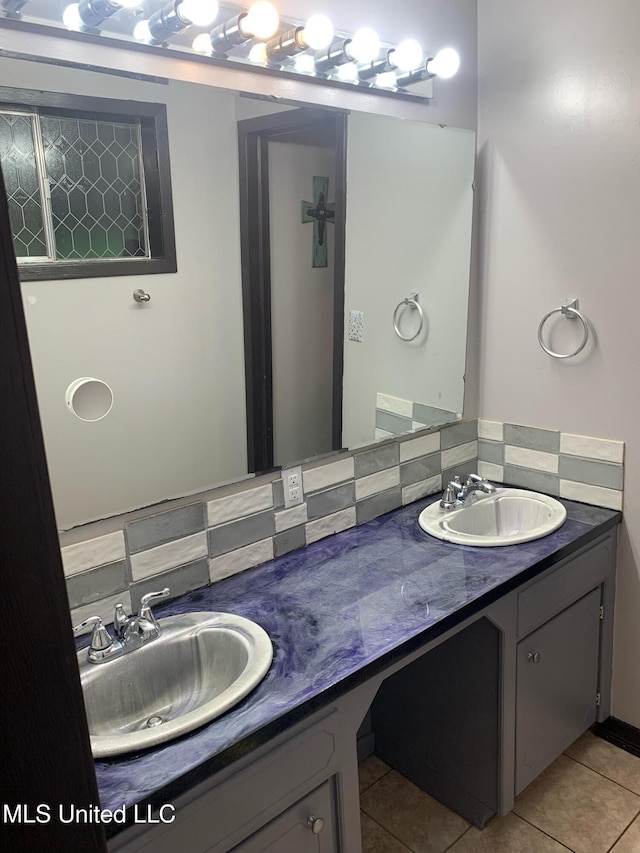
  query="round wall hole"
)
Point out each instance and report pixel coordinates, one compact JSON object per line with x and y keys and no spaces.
{"x":89,"y":399}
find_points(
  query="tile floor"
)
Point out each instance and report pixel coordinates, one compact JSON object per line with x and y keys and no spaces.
{"x":588,"y":801}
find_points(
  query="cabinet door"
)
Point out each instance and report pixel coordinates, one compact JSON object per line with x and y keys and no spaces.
{"x":293,"y":831}
{"x":556,"y":686}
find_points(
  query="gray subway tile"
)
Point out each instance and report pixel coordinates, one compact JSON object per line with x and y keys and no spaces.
{"x":590,"y":471}
{"x":377,"y":459}
{"x":179,"y":580}
{"x":419,"y":469}
{"x":165,"y":527}
{"x":532,"y":438}
{"x":85,"y":587}
{"x":462,"y":471}
{"x":460,"y":433}
{"x":431,"y":415}
{"x":525,"y":478}
{"x":289,"y":540}
{"x":236,"y":534}
{"x":331,"y":500}
{"x":389,"y":421}
{"x":491,"y":451}
{"x":378,"y":504}
{"x":278,"y":493}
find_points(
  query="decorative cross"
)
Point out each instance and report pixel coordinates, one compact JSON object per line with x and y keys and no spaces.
{"x":320,"y":212}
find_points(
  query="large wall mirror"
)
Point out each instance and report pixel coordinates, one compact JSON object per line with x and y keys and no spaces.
{"x":358,"y":236}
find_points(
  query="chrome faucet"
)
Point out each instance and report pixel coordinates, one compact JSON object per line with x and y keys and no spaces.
{"x":459,"y":494}
{"x":131,"y":632}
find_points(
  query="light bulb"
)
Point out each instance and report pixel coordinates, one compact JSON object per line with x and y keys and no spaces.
{"x":317,"y":33}
{"x":202,"y":13}
{"x":202,"y":43}
{"x":141,"y":31}
{"x":258,"y":54}
{"x":261,"y":21}
{"x":387,"y":80}
{"x":445,"y":63}
{"x":305,"y":63}
{"x":71,"y":17}
{"x":407,"y":56}
{"x":364,"y":46}
{"x":348,"y":73}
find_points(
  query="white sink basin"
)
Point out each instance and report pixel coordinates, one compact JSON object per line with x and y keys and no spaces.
{"x":201,"y":666}
{"x":505,"y":518}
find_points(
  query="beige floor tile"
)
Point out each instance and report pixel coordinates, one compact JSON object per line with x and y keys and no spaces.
{"x":578,"y":807}
{"x":630,"y":841}
{"x":370,"y":770}
{"x":508,"y":834}
{"x":375,"y":839}
{"x":605,"y":758}
{"x":419,"y":821}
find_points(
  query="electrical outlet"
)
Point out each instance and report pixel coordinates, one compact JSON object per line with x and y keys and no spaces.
{"x":292,"y":483}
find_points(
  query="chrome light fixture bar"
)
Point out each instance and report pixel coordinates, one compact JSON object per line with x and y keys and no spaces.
{"x":12,"y":7}
{"x":89,"y":14}
{"x":407,"y":56}
{"x":174,"y":18}
{"x":316,"y":34}
{"x":260,"y":23}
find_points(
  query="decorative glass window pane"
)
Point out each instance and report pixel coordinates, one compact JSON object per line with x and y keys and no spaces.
{"x":94,"y":173}
{"x":18,"y":161}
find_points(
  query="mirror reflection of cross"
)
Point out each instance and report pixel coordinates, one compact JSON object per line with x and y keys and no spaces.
{"x":320,"y":212}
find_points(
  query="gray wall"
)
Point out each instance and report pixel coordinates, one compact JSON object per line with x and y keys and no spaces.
{"x":559,"y":106}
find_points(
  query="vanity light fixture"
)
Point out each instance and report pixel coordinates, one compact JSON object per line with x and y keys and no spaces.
{"x":445,"y":64}
{"x":174,"y":18}
{"x":12,"y":7}
{"x":407,"y":56}
{"x":89,"y":14}
{"x":316,"y":34}
{"x":362,"y":48}
{"x":260,"y":23}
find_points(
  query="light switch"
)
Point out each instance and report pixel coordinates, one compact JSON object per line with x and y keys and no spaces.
{"x":356,"y":326}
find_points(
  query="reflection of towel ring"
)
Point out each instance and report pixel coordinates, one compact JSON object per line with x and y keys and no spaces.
{"x":570,"y":311}
{"x":412,"y":301}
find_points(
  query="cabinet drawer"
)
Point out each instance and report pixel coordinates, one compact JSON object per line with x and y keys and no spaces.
{"x":290,"y":832}
{"x":544,"y":598}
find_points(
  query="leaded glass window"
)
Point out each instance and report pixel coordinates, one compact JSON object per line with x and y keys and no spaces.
{"x":75,"y":186}
{"x":88,"y":183}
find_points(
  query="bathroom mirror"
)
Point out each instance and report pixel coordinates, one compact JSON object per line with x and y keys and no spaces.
{"x":176,"y":363}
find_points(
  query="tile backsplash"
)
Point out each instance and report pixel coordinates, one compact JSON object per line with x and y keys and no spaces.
{"x":189,"y":543}
{"x":559,"y":463}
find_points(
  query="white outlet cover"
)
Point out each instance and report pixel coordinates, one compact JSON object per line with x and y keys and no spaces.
{"x":356,"y":326}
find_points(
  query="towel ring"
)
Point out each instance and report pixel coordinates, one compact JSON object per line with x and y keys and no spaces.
{"x":412,"y":301}
{"x":570,"y":311}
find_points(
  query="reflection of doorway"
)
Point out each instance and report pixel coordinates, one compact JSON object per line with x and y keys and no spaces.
{"x":293,"y":312}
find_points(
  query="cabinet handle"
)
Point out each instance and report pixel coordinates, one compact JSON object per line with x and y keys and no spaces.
{"x":315,"y":824}
{"x":533,"y":657}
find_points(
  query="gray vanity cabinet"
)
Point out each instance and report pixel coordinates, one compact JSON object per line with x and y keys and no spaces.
{"x":557,"y":683}
{"x":307,"y":827}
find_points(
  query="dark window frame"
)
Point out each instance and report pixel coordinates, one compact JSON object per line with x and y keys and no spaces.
{"x":154,"y":134}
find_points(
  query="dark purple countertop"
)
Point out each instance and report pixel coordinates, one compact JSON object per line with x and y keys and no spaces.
{"x":337,"y":611}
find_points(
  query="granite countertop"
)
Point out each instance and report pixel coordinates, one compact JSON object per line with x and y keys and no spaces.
{"x":337,"y":611}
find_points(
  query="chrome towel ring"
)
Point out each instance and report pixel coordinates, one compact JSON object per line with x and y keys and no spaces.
{"x":570,"y":311}
{"x":412,"y":301}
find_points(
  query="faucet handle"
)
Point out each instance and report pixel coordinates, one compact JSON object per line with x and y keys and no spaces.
{"x":476,"y":478}
{"x":100,"y":638}
{"x":145,"y":609}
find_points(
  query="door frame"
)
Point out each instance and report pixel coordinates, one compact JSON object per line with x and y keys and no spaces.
{"x":253,"y":143}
